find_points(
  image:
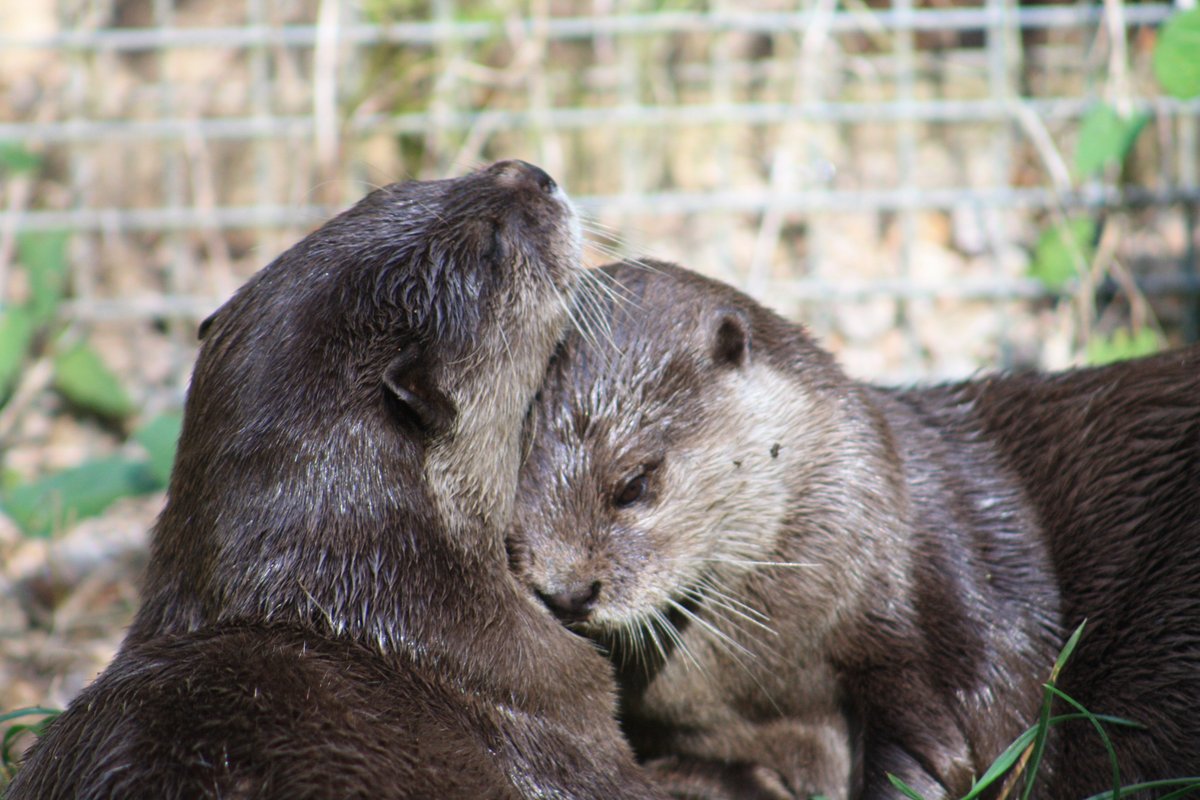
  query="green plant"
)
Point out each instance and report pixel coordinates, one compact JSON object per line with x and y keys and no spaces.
{"x":1021,"y":760}
{"x":32,"y":332}
{"x":45,"y":505}
{"x":14,"y":731}
{"x":1175,"y":62}
{"x":1068,"y":247}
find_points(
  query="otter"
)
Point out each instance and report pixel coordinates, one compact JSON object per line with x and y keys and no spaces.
{"x":807,"y":582}
{"x":1109,"y":458}
{"x":328,"y":610}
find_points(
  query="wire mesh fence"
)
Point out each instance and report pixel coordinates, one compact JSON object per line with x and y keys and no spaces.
{"x":880,"y":170}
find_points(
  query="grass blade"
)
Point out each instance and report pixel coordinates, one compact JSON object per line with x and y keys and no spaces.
{"x":1013,"y":752}
{"x":1043,"y":726}
{"x":1189,"y":785}
{"x":904,"y":788}
{"x":1112,"y":754}
{"x":29,"y":712}
{"x":7,"y":758}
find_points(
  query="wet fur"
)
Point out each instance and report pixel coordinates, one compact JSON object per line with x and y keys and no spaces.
{"x":327,"y":610}
{"x":932,"y":522}
{"x":1110,"y":459}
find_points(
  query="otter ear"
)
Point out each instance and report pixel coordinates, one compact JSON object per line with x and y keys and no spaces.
{"x":202,"y":331}
{"x":414,"y":396}
{"x":731,"y":339}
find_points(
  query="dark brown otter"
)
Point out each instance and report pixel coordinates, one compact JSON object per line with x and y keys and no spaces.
{"x":328,"y":610}
{"x":1109,"y":458}
{"x":797,"y":571}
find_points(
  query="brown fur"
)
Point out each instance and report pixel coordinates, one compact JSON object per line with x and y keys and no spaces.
{"x":1110,"y":460}
{"x":328,"y":611}
{"x":932,"y":522}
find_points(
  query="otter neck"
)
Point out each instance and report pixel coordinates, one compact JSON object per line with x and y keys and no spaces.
{"x":472,"y":480}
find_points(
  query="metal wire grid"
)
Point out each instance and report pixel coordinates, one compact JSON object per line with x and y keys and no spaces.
{"x":786,"y":195}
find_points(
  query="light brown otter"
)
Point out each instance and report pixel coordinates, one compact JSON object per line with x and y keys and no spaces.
{"x":328,"y":610}
{"x":791,"y":569}
{"x":800,"y":572}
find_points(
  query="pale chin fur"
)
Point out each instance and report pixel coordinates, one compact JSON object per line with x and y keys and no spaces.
{"x":472,"y":470}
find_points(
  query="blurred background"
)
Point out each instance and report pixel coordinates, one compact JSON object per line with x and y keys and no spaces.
{"x":932,"y":186}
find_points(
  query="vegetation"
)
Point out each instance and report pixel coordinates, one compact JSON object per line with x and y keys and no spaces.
{"x":15,"y":730}
{"x":1067,"y":250}
{"x":1018,"y":765}
{"x":32,"y":331}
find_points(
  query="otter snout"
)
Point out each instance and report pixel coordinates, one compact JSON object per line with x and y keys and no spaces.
{"x":574,"y":603}
{"x":515,"y":172}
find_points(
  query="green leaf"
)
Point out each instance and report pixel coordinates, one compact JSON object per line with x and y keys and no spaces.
{"x":1105,"y":137}
{"x":1176,"y":64}
{"x":160,"y":437}
{"x":904,"y":788}
{"x":1122,"y":344}
{"x":30,"y":711}
{"x":1112,"y":753}
{"x":1188,"y":790}
{"x":1065,"y":653}
{"x":49,"y":504}
{"x":1012,"y":753}
{"x":8,"y":760}
{"x":82,"y":378}
{"x":16,"y":335}
{"x":1189,"y":785}
{"x":45,"y":258}
{"x":1042,"y":729}
{"x":1003,"y":762}
{"x":14,"y":158}
{"x":8,"y":479}
{"x":1063,"y":251}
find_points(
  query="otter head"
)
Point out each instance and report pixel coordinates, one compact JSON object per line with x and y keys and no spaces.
{"x":668,"y":453}
{"x":358,"y":404}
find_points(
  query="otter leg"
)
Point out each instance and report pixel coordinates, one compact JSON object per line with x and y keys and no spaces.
{"x":700,"y":779}
{"x":894,"y":760}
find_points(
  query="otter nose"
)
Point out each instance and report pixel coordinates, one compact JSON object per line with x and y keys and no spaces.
{"x":574,"y":603}
{"x":517,"y":171}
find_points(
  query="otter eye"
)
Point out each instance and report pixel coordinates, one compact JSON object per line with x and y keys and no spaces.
{"x":633,"y":490}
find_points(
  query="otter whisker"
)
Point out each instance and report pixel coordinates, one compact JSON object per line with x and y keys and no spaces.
{"x":748,"y":562}
{"x":713,"y":598}
{"x":504,"y":340}
{"x":598,"y":282}
{"x":578,"y":315}
{"x":643,"y":265}
{"x":620,"y":293}
{"x":675,"y":636}
{"x":738,"y":622}
{"x":731,"y":647}
{"x":703,"y":594}
{"x":610,"y":235}
{"x":639,"y":648}
{"x":589,"y":308}
{"x":722,"y":639}
{"x":606,"y":253}
{"x":716,"y":605}
{"x":657,"y":619}
{"x":710,"y":585}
